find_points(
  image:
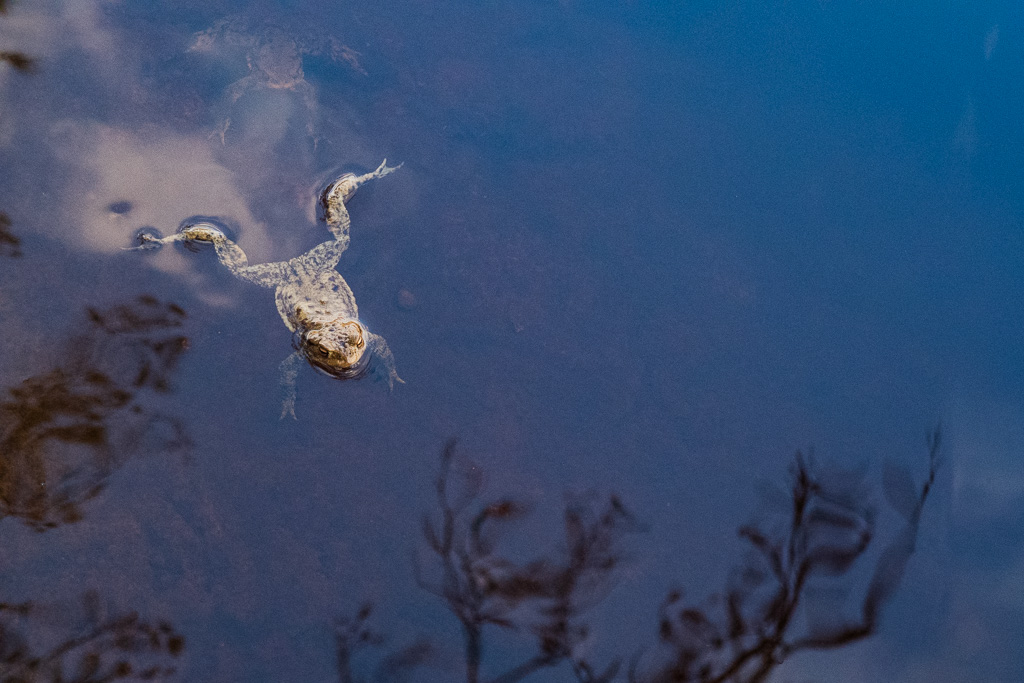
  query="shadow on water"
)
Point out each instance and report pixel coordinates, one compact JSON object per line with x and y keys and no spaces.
{"x":62,"y":434}
{"x":771,"y":608}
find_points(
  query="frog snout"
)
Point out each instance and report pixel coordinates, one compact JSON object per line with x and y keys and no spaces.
{"x":339,"y":353}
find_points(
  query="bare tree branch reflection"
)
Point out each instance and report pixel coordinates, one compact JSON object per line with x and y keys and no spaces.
{"x":546,"y":597}
{"x":352,"y":636}
{"x":10,"y":244}
{"x":64,"y":432}
{"x":775,"y":604}
{"x":103,"y":647}
{"x":828,"y":529}
{"x":19,"y":60}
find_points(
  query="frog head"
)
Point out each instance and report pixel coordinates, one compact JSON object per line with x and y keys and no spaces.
{"x":336,"y":347}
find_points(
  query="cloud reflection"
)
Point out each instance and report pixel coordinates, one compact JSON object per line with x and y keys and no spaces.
{"x":163,"y":176}
{"x":115,"y":142}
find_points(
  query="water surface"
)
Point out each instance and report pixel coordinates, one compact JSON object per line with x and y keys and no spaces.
{"x":638,"y":255}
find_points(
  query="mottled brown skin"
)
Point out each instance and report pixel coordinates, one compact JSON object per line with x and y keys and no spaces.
{"x":313,"y":299}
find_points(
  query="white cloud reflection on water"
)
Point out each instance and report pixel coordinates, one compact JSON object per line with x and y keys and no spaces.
{"x":47,"y":29}
{"x":117,"y":112}
{"x":167,"y":177}
{"x":105,"y":138}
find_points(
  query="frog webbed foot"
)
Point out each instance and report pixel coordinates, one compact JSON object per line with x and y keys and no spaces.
{"x":345,"y":186}
{"x":384,"y":169}
{"x":147,"y":239}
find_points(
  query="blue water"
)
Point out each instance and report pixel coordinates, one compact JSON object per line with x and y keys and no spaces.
{"x":647,"y":250}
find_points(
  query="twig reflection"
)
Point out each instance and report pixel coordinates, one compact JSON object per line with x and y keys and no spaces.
{"x":768,"y":612}
{"x":828,"y":530}
{"x":103,"y":647}
{"x":484,"y":588}
{"x":64,"y":432}
{"x":19,"y":60}
{"x":10,"y":244}
{"x":354,"y":635}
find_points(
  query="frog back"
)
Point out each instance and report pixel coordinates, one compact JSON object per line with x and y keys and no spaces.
{"x":316,"y":301}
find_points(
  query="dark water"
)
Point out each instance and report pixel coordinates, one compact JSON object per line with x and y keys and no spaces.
{"x":638,"y":255}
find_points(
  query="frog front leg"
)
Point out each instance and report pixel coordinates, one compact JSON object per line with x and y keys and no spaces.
{"x":380,"y":349}
{"x":228,"y":253}
{"x":289,"y":370}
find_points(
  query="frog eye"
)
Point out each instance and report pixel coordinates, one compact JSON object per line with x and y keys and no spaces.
{"x":355,"y":335}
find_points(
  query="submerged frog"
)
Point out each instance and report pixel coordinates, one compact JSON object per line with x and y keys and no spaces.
{"x":274,"y":59}
{"x":313,"y":299}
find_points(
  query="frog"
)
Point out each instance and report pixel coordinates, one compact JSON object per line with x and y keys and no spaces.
{"x":313,"y":299}
{"x":274,"y":59}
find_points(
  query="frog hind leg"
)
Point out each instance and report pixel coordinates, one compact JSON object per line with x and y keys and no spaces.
{"x":228,"y":253}
{"x":340,"y":191}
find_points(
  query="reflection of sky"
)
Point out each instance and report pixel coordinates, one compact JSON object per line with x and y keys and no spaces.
{"x":653,"y":250}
